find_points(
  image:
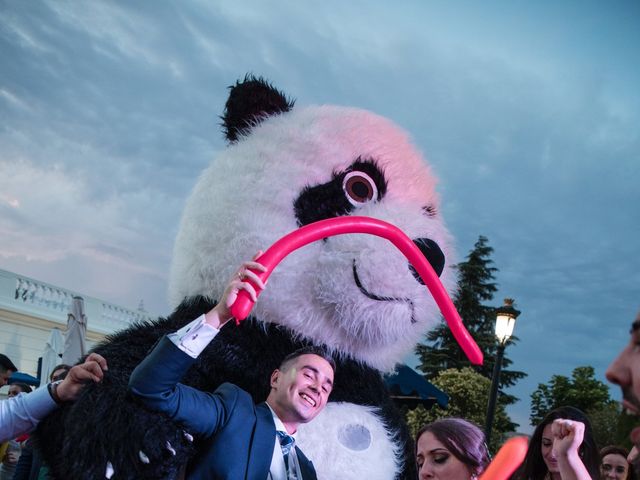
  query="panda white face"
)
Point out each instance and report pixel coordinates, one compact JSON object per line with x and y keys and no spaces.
{"x":355,"y":293}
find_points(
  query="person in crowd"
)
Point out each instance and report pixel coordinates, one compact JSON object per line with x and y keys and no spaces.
{"x":9,"y":449}
{"x":30,"y":464}
{"x":22,"y":413}
{"x":13,"y":448}
{"x":265,"y":433}
{"x":16,"y":388}
{"x":624,"y":371}
{"x":451,"y":449}
{"x":614,"y":464}
{"x":59,"y":372}
{"x":11,"y":453}
{"x":562,"y":447}
{"x":6,"y":369}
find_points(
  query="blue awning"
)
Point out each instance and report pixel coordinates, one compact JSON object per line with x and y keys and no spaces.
{"x":407,"y":384}
{"x":19,"y":377}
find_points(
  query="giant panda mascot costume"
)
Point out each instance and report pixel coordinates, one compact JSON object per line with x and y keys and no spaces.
{"x":356,"y":295}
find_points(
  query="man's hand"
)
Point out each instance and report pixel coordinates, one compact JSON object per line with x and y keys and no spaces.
{"x":221,"y":313}
{"x":92,"y":370}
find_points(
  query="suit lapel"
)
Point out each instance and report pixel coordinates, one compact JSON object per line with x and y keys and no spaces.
{"x":261,"y":450}
{"x":306,"y":467}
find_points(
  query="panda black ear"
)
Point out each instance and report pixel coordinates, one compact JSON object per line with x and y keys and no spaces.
{"x":250,"y":101}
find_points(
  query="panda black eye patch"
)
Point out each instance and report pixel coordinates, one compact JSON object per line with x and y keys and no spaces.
{"x":359,"y":184}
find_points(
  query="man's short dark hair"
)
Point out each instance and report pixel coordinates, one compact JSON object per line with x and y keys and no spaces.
{"x":309,"y":350}
{"x":6,"y":364}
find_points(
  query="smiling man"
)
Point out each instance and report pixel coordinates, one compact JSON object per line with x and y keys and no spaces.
{"x":239,"y":439}
{"x":625,"y":372}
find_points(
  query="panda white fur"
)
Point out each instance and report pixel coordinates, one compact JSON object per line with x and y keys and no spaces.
{"x":288,"y":171}
{"x":354,"y":294}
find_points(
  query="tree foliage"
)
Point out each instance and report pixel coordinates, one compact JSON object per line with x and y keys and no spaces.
{"x":476,"y":285}
{"x":582,"y":391}
{"x":611,"y":426}
{"x":468,"y":397}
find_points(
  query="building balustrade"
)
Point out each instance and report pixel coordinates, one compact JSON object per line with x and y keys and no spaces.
{"x":25,"y":295}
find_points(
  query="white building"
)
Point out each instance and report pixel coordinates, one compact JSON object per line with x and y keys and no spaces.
{"x":30,"y":309}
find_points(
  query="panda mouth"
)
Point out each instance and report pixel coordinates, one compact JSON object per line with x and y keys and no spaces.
{"x":381,"y":298}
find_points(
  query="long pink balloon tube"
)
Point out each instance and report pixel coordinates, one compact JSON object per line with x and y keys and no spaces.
{"x":510,"y":456}
{"x":344,"y":225}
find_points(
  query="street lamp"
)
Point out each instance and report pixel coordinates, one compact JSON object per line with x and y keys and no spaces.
{"x":505,"y":321}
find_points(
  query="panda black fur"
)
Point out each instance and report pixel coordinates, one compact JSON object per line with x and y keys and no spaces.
{"x":355,"y":294}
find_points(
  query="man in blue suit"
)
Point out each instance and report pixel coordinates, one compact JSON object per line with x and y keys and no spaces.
{"x":241,"y":440}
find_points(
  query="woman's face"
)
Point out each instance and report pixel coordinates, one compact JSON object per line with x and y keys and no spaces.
{"x":546,"y":446}
{"x":614,"y":467}
{"x":435,"y":462}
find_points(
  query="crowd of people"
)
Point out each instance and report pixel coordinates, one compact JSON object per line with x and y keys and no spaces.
{"x":562,"y":446}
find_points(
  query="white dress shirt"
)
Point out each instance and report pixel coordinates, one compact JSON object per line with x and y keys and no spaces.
{"x":23,"y":412}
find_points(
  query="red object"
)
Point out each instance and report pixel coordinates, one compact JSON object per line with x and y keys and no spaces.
{"x":354,"y":224}
{"x":508,"y":459}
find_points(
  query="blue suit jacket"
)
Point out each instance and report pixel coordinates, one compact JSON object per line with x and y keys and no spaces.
{"x":238,"y":435}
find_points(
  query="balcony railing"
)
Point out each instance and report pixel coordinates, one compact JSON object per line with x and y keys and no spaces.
{"x":39,"y":299}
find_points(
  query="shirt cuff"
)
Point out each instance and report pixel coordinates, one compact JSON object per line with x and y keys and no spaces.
{"x":40,"y":403}
{"x":194,"y":337}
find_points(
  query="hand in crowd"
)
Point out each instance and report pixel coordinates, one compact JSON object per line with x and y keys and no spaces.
{"x":92,"y":370}
{"x":567,"y":436}
{"x":11,"y":458}
{"x":221,"y":313}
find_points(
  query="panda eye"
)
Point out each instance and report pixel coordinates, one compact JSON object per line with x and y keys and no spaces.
{"x":359,"y":188}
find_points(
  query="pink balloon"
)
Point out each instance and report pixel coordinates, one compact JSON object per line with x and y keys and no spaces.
{"x":510,"y":456}
{"x":354,"y":224}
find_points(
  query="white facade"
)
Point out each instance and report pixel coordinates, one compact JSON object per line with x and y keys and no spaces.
{"x":30,"y":309}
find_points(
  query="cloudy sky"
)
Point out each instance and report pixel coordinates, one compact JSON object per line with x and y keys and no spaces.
{"x":528,"y":112}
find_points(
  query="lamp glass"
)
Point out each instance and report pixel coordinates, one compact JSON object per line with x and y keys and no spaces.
{"x":504,"y":327}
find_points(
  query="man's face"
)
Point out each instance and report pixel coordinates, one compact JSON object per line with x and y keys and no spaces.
{"x":625,"y":372}
{"x":4,"y":377}
{"x":301,"y":390}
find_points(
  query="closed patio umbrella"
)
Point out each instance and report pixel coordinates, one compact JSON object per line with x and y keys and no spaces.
{"x":52,"y":355}
{"x":74,"y":339}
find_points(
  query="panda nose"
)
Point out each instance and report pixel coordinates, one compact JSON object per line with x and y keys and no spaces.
{"x":432,"y":253}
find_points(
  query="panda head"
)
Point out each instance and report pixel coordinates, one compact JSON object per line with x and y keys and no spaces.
{"x":287,"y":167}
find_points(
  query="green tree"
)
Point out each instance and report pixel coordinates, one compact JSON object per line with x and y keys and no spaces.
{"x":476,"y":285}
{"x":582,"y":391}
{"x":606,"y":424}
{"x":468,"y":397}
{"x":611,"y":426}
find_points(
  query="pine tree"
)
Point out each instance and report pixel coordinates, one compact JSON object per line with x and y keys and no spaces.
{"x":476,"y":285}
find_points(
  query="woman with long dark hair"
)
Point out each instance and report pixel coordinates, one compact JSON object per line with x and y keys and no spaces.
{"x":562,"y":447}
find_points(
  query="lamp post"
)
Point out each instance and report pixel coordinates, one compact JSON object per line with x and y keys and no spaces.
{"x":505,"y":321}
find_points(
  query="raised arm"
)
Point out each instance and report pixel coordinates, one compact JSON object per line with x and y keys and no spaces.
{"x":156,"y":381}
{"x":567,"y":438}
